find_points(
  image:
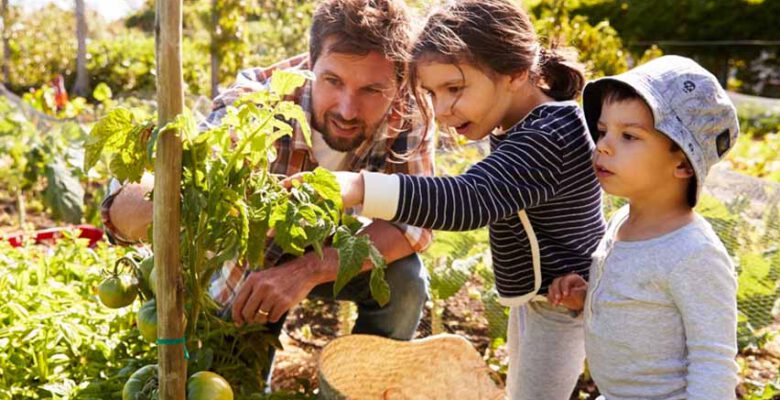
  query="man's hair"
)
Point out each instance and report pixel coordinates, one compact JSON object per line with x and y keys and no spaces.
{"x":616,"y":92}
{"x":363,"y":26}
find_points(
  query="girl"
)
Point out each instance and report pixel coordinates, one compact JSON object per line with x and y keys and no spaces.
{"x":481,"y":67}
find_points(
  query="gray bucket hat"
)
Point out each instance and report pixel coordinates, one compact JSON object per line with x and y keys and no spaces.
{"x":688,"y":104}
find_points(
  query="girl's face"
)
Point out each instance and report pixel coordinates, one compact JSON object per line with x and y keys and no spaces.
{"x":465,"y":98}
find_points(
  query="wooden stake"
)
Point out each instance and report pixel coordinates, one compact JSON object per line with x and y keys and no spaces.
{"x":167,"y":207}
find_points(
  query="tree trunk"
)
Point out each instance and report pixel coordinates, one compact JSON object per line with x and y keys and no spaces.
{"x":214,"y":49}
{"x":81,"y":87}
{"x":167,"y":202}
{"x":6,"y":47}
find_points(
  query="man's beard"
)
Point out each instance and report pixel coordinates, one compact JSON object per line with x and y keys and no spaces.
{"x":342,"y":144}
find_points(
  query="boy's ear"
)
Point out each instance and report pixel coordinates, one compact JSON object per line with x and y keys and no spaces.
{"x":683,"y":170}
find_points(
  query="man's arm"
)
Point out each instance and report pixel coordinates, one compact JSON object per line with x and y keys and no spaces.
{"x":275,"y":290}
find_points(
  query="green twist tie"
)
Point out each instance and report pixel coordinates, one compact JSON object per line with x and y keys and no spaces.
{"x":181,"y":340}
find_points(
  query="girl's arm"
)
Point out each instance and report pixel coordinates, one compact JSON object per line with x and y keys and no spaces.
{"x":704,"y":289}
{"x":523,"y":172}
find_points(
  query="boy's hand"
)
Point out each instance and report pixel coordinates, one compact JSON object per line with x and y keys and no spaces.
{"x":351,"y":184}
{"x":568,"y":291}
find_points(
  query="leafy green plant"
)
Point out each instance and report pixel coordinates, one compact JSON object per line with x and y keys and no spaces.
{"x":750,"y":243}
{"x":768,"y":391}
{"x":44,"y":100}
{"x":757,"y":156}
{"x":230,"y":203}
{"x":56,"y":339}
{"x":42,"y":162}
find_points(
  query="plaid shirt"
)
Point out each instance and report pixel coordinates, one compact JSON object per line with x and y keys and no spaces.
{"x":396,"y":135}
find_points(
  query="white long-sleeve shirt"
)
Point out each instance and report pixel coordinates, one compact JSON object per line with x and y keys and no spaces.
{"x":661,"y":316}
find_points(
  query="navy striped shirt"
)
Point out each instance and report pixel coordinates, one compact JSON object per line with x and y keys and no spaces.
{"x":542,"y":165}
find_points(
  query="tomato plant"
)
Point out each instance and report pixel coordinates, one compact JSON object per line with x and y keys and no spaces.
{"x":229,"y":201}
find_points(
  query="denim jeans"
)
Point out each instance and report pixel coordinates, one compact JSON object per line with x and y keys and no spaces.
{"x":398,"y":319}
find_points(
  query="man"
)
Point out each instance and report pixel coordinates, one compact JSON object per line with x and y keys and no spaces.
{"x":362,"y":117}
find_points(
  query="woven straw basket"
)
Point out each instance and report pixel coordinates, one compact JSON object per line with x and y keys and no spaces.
{"x":445,"y":367}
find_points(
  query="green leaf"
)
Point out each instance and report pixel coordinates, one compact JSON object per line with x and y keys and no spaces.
{"x":448,"y":278}
{"x":63,"y":194}
{"x":130,"y":161}
{"x":289,"y":233}
{"x":184,"y":124}
{"x":326,"y":186}
{"x":351,"y":223}
{"x":380,"y":289}
{"x":496,"y":314}
{"x":258,"y":229}
{"x":353,"y":251}
{"x":107,"y":134}
{"x":293,"y":112}
{"x":756,"y":290}
{"x":754,"y":276}
{"x":102,"y":92}
{"x":285,"y":82}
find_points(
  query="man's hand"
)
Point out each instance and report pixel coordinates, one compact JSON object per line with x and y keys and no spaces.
{"x":131,"y":213}
{"x":268,"y":294}
{"x":568,"y":291}
{"x":351,"y":183}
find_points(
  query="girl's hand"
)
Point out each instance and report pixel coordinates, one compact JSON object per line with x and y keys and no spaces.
{"x":351,"y":184}
{"x":352,"y":188}
{"x":568,"y":291}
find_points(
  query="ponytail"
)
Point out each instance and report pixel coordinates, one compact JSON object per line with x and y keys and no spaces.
{"x":559,"y":75}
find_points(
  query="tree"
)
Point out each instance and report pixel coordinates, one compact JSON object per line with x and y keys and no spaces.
{"x":6,"y":48}
{"x":213,"y":49}
{"x":722,"y":35}
{"x":227,"y":20}
{"x":81,"y":87}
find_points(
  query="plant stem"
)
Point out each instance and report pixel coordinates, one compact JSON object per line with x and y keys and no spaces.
{"x":20,"y":204}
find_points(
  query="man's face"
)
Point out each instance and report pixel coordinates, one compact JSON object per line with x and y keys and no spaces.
{"x":351,"y":96}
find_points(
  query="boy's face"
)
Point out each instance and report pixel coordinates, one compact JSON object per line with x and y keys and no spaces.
{"x":632,"y":159}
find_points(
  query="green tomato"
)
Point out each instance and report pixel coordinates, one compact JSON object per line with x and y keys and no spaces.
{"x":118,"y":291}
{"x":153,"y":281}
{"x":142,"y":384}
{"x":147,"y":321}
{"x":146,"y":266}
{"x":205,"y":385}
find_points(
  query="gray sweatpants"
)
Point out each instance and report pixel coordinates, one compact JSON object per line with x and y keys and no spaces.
{"x":546,"y":352}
